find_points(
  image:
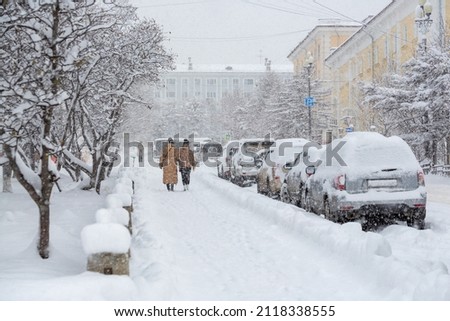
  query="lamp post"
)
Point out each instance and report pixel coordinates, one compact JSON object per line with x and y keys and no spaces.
{"x":309,"y":101}
{"x":423,"y":20}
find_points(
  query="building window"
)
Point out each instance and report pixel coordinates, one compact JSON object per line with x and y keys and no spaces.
{"x":405,"y":34}
{"x":236,"y":85}
{"x":211,"y":88}
{"x":225,"y":88}
{"x":248,"y":82}
{"x":197,"y":87}
{"x":171,"y":87}
{"x":386,"y":47}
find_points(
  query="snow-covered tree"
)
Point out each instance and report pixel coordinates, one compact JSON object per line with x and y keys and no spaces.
{"x":416,"y":103}
{"x":67,"y":71}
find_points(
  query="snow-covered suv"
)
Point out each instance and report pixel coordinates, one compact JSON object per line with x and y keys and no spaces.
{"x":243,"y":166}
{"x":367,"y":176}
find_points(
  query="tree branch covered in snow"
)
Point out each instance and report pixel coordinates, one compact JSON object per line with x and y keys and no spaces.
{"x":67,"y":71}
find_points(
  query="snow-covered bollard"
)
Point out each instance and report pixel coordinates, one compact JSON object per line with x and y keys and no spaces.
{"x":127,"y":182}
{"x":107,"y":186}
{"x":123,"y":188}
{"x":107,"y":246}
{"x":121,"y":200}
{"x":112,"y":215}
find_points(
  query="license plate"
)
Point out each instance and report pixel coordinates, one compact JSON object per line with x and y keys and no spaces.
{"x":376,"y":183}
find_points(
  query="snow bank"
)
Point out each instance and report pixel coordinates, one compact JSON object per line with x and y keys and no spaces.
{"x":105,"y":237}
{"x":370,"y":251}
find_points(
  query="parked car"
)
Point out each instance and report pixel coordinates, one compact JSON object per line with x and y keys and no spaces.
{"x":224,"y":162}
{"x":244,"y":168}
{"x":369,"y":177}
{"x":273,"y":169}
{"x":293,"y":188}
{"x":210,"y":152}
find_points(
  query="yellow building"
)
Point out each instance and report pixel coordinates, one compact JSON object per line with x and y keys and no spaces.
{"x":380,"y":46}
{"x":347,"y":56}
{"x":318,"y":44}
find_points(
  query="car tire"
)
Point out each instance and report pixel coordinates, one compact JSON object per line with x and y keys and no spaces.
{"x":284,"y":195}
{"x":269,"y":191}
{"x":307,"y":202}
{"x":300,"y":201}
{"x":327,"y":211}
{"x":258,"y":187}
{"x":417,"y":219}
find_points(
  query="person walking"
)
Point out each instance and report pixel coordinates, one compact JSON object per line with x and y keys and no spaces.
{"x":186,"y":162}
{"x":168,"y":163}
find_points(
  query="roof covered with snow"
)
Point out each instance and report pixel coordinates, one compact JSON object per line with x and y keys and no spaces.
{"x":230,"y":68}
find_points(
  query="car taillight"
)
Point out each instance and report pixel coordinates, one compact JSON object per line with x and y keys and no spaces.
{"x":421,"y":178}
{"x":339,"y":182}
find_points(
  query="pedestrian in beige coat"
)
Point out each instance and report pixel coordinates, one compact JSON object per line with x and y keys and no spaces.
{"x":168,"y":162}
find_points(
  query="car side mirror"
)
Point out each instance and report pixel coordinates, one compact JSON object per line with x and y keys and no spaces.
{"x":310,"y":170}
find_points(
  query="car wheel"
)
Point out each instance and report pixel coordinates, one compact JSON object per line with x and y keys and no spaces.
{"x":268,"y":193}
{"x":327,"y":211}
{"x":307,"y":202}
{"x":258,"y":187}
{"x":417,"y":219}
{"x":284,"y":195}
{"x":300,"y":201}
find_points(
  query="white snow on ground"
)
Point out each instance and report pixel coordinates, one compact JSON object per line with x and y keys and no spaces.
{"x":218,"y":241}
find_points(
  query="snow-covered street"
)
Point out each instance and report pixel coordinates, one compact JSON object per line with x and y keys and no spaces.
{"x":219,"y":241}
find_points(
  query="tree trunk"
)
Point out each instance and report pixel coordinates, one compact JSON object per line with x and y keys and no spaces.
{"x":44,"y":229}
{"x":101,"y":175}
{"x":7,"y":173}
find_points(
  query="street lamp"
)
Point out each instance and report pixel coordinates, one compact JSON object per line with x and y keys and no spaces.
{"x":423,"y":20}
{"x":310,"y":101}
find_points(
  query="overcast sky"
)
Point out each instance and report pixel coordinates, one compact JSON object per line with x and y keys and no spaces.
{"x":246,"y":31}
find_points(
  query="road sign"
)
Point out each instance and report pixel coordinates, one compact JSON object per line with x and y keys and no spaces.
{"x":309,"y":101}
{"x":349,"y":129}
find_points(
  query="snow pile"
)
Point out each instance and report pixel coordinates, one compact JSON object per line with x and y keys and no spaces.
{"x":370,"y":251}
{"x":105,"y":237}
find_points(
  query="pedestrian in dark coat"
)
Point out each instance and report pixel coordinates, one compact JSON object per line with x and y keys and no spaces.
{"x":186,"y":162}
{"x":168,"y":162}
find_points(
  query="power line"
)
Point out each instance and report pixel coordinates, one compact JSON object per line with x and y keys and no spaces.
{"x":255,"y":37}
{"x":171,"y":4}
{"x":386,"y":33}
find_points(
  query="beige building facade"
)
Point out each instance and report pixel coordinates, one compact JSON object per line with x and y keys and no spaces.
{"x":381,"y":44}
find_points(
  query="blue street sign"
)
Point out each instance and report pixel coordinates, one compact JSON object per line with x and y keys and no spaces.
{"x":309,"y":101}
{"x":349,"y":129}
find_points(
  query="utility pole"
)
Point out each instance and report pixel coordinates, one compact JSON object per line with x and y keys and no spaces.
{"x":309,"y":101}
